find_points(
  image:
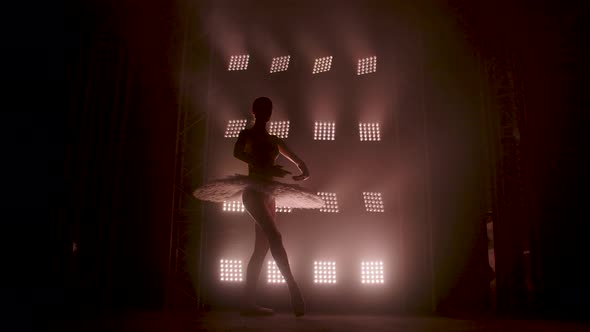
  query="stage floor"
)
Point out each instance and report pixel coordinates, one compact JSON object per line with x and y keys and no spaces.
{"x":232,"y":322}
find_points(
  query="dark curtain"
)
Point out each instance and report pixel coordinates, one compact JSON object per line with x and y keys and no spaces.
{"x":89,"y":158}
{"x":540,"y":234}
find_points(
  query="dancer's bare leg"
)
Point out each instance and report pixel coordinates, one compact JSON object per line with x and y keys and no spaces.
{"x":262,"y":208}
{"x":253,"y":272}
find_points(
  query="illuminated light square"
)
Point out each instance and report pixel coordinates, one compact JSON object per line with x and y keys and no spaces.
{"x":373,"y":202}
{"x":238,"y":62}
{"x":367,"y":65}
{"x":331,"y":202}
{"x":274,"y":275}
{"x":279,"y":128}
{"x":283,"y":209}
{"x":230,"y":270}
{"x":369,"y":131}
{"x":233,"y":206}
{"x":322,"y":65}
{"x":324,"y":272}
{"x":372,"y":272}
{"x":324,"y":131}
{"x":280,"y":64}
{"x":234,"y":127}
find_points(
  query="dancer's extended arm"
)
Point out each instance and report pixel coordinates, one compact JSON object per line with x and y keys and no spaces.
{"x":241,"y":154}
{"x":285,"y":151}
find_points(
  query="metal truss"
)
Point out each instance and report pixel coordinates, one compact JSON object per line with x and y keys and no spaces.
{"x":185,"y":229}
{"x":512,"y":227}
{"x":504,"y":118}
{"x":184,"y":287}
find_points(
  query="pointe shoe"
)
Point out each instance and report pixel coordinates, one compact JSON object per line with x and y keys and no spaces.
{"x":298,"y":303}
{"x":256,"y":311}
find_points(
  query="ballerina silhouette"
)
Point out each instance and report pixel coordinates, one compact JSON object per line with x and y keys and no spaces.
{"x":260,"y":194}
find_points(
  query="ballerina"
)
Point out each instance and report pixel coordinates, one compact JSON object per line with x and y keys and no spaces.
{"x":260,"y":195}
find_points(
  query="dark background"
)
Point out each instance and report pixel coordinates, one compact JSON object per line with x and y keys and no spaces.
{"x":89,"y":158}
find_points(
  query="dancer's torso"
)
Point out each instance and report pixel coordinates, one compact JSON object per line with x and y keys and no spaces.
{"x":264,"y":150}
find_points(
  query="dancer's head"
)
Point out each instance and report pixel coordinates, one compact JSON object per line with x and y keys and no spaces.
{"x":262,"y":109}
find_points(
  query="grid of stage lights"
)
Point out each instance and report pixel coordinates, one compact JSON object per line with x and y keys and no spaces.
{"x":373,"y":202}
{"x":367,"y":65}
{"x":322,"y":65}
{"x":274,"y":275}
{"x":369,"y":131}
{"x":324,"y":131}
{"x":279,"y":128}
{"x":280,"y":64}
{"x":230,"y":270}
{"x":372,"y":272}
{"x":283,"y":209}
{"x":324,"y":272}
{"x":331,"y":202}
{"x":233,"y":206}
{"x":234,"y":127}
{"x":238,"y":62}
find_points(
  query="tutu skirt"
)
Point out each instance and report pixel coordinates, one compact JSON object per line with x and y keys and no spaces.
{"x":285,"y":194}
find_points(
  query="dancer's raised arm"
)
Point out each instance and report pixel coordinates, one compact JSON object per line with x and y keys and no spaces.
{"x":285,"y":151}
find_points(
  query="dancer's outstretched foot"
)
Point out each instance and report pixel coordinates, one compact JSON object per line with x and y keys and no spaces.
{"x":256,"y":311}
{"x":297,"y":302}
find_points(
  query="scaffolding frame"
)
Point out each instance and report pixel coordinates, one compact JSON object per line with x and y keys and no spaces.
{"x":184,"y":287}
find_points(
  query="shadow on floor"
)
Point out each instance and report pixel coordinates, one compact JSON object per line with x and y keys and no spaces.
{"x":231,"y":322}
